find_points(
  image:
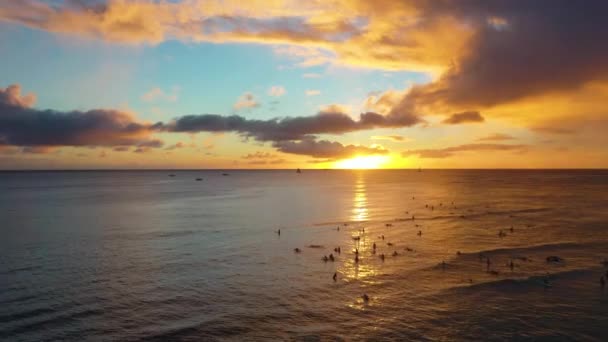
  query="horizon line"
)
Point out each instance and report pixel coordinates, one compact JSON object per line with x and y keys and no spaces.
{"x":304,"y":169}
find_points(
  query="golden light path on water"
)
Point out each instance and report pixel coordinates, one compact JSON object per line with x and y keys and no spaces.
{"x":359,"y":211}
{"x":365,"y":269}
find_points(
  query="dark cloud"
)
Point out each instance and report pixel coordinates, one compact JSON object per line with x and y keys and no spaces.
{"x":22,"y":125}
{"x":289,"y":128}
{"x":553,"y":130}
{"x":37,"y":149}
{"x":324,"y":148}
{"x":450,"y":151}
{"x":519,"y":49}
{"x":464,"y":117}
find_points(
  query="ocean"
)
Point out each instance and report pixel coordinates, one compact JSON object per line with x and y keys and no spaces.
{"x":144,"y":255}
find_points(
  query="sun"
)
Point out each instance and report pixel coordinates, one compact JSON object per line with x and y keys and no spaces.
{"x":362,"y":162}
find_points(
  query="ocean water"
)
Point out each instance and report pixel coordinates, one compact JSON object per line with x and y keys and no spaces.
{"x":140,"y":255}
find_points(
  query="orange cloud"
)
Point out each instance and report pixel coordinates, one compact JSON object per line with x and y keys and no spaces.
{"x":354,"y":32}
{"x":157,"y":94}
{"x":464,"y":117}
{"x":496,"y":137}
{"x":451,"y":151}
{"x":247,"y":100}
{"x":394,"y":138}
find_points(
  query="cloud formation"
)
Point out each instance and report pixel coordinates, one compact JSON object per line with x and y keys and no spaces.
{"x":276,"y":91}
{"x":23,"y":125}
{"x":263,"y":158}
{"x":394,"y":138}
{"x":519,"y":50}
{"x":296,"y":135}
{"x":259,"y":155}
{"x":247,"y":100}
{"x":288,"y":128}
{"x":451,"y":151}
{"x":464,"y":117}
{"x":325,"y":149}
{"x":496,"y":137}
{"x":553,"y":130}
{"x":29,"y":127}
{"x":157,"y":94}
{"x":484,"y":52}
{"x":491,"y":49}
{"x":176,"y":146}
{"x":11,"y":96}
{"x":354,"y":32}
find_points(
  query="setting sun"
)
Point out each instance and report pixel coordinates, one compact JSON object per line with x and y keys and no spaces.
{"x":362,"y":162}
{"x":194,"y":169}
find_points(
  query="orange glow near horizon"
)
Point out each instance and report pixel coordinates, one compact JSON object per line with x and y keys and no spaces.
{"x":362,"y":162}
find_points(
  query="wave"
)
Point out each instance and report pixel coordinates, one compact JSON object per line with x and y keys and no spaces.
{"x":60,"y":320}
{"x":208,"y":330}
{"x":25,"y":315}
{"x":525,"y":283}
{"x":472,"y":214}
{"x":21,"y":269}
{"x":19,"y":299}
{"x":565,"y":245}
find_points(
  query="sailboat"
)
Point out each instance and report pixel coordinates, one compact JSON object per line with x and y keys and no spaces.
{"x":298,"y":170}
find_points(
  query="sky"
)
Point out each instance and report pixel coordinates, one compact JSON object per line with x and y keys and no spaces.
{"x":94,"y":84}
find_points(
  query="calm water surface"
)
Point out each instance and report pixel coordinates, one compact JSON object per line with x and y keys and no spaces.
{"x":143,"y":256}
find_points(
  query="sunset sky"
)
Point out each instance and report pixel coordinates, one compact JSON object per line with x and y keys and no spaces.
{"x":308,"y":84}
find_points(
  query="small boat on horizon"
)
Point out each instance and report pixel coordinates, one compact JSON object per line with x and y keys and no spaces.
{"x":298,"y":170}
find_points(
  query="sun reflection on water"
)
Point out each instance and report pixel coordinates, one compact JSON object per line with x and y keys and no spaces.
{"x":359,"y":211}
{"x":366,"y":268}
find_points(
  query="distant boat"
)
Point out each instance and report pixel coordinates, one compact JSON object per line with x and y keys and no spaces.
{"x":298,"y":171}
{"x":419,"y":170}
{"x":199,"y":179}
{"x":225,"y":174}
{"x":171,"y":175}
